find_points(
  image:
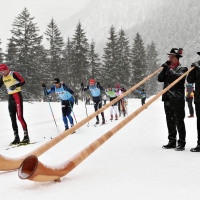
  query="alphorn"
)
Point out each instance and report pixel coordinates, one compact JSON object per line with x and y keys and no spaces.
{"x":7,"y":163}
{"x":34,"y":170}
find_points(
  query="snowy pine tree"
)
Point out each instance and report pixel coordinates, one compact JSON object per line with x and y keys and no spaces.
{"x":95,"y":64}
{"x":11,"y":55}
{"x":1,"y":54}
{"x":79,"y":70}
{"x":56,"y":43}
{"x":152,"y":85}
{"x":110,"y":67}
{"x":123,"y":57}
{"x":22,"y":52}
{"x":138,"y":61}
{"x":67,"y":62}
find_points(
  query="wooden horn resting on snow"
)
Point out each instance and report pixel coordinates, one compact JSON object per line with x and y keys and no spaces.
{"x":34,"y":170}
{"x":7,"y":163}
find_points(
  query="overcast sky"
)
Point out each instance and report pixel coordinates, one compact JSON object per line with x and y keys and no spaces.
{"x":42,"y":10}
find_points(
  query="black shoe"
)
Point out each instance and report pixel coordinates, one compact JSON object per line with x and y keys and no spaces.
{"x":15,"y":141}
{"x":26,"y":140}
{"x":179,"y":148}
{"x":196,"y":149}
{"x":97,"y":122}
{"x":103,"y":121}
{"x":170,"y":145}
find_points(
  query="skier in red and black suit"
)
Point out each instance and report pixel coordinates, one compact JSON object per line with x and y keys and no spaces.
{"x":174,"y":99}
{"x":13,"y":82}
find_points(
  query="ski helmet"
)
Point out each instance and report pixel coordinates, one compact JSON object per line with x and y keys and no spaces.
{"x":3,"y":67}
{"x":92,"y":81}
{"x":118,"y":85}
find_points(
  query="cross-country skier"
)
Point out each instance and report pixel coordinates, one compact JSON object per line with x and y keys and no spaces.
{"x":189,"y":98}
{"x":113,"y":109}
{"x":121,"y":106}
{"x":143,"y":95}
{"x":67,"y":101}
{"x":13,"y":82}
{"x":95,"y":89}
{"x":124,"y":102}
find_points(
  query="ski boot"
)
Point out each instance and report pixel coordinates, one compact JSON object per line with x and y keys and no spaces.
{"x":116,"y":117}
{"x":16,"y":140}
{"x":124,"y":113}
{"x":72,"y":126}
{"x":103,"y":120}
{"x":26,"y":139}
{"x":111,"y":117}
{"x":97,"y":122}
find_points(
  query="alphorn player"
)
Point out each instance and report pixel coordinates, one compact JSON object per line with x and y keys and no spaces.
{"x":194,"y":77}
{"x":174,"y":100}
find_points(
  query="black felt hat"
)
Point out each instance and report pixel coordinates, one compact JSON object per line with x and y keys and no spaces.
{"x":177,"y":52}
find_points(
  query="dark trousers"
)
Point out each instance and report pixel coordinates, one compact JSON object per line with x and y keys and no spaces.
{"x":197,"y":109}
{"x":143,"y":101}
{"x":98,"y":105}
{"x":67,"y":107}
{"x":175,"y":114}
{"x":190,"y":106}
{"x":15,"y":107}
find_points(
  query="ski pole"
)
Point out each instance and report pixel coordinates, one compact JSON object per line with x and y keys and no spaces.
{"x":45,"y":91}
{"x":86,"y":113}
{"x":71,"y":107}
{"x":72,"y":110}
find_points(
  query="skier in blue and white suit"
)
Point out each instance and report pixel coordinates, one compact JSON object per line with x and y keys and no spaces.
{"x":95,"y":89}
{"x":67,"y":101}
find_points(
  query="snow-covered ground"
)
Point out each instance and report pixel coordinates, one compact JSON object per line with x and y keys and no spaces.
{"x":130,"y":165}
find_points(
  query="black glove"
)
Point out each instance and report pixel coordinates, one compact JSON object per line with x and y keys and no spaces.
{"x":43,"y":85}
{"x":82,"y":85}
{"x":196,"y":64}
{"x":166,"y":65}
{"x":170,"y":72}
{"x":187,"y":99}
{"x":98,"y":84}
{"x":64,"y":85}
{"x":123,"y":90}
{"x":13,"y":87}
